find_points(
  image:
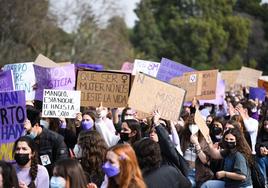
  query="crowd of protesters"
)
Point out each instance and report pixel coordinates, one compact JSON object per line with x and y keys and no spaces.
{"x":111,"y":148}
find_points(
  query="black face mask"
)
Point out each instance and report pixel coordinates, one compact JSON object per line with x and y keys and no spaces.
{"x":230,"y":145}
{"x":124,"y":136}
{"x":216,"y":131}
{"x":22,"y":159}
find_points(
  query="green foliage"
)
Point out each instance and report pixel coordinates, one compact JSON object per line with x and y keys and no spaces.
{"x":203,"y":34}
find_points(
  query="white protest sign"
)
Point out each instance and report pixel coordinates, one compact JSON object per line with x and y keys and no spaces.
{"x":147,"y":67}
{"x":61,"y":103}
{"x":24,"y":78}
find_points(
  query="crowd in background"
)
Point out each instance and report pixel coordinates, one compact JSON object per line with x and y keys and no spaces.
{"x":105,"y":147}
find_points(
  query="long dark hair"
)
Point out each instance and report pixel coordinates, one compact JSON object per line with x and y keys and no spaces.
{"x":71,"y":169}
{"x":241,"y":143}
{"x":134,"y":125}
{"x":9,"y":175}
{"x":34,"y":160}
{"x":94,"y":149}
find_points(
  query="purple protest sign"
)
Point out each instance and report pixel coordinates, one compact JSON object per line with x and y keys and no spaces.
{"x":257,"y":93}
{"x":169,"y":69}
{"x":6,"y":81}
{"x":127,"y":67}
{"x":61,"y":78}
{"x":13,"y":114}
{"x":97,"y":67}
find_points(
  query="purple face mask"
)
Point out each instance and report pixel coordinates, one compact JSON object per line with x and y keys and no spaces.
{"x":110,"y":170}
{"x":87,"y":125}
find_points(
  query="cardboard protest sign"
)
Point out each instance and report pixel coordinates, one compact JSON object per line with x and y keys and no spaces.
{"x":169,"y":69}
{"x":230,"y":78}
{"x":263,"y":82}
{"x":44,"y":61}
{"x":220,"y":94}
{"x":110,"y":88}
{"x":62,"y":78}
{"x":201,"y":123}
{"x":61,"y":103}
{"x":97,"y":67}
{"x":147,"y":67}
{"x":7,"y":81}
{"x":149,"y":94}
{"x":13,"y":114}
{"x":24,"y":78}
{"x":199,"y":84}
{"x":248,"y":77}
{"x":127,"y":67}
{"x":257,"y":93}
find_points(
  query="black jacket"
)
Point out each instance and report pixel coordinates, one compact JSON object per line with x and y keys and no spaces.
{"x":165,"y":177}
{"x":50,"y":144}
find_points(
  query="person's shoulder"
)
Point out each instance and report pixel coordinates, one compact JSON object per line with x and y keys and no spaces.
{"x":252,"y":120}
{"x":42,"y":170}
{"x":239,"y":155}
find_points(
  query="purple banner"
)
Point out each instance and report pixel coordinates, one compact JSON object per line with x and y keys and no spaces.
{"x":13,"y":114}
{"x":170,"y":69}
{"x":97,"y":67}
{"x":61,"y":78}
{"x":6,"y":81}
{"x":257,"y":93}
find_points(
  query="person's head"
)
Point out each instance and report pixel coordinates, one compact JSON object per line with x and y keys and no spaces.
{"x":32,"y":123}
{"x":209,"y":120}
{"x":234,"y":140}
{"x":8,"y":176}
{"x":24,"y":151}
{"x":264,"y":127}
{"x":68,"y":173}
{"x":122,"y":167}
{"x":128,"y":113}
{"x":25,"y":154}
{"x":148,"y":153}
{"x":130,"y":131}
{"x":247,"y":107}
{"x":91,"y":149}
{"x":153,"y":135}
{"x":232,"y":124}
{"x":88,"y":119}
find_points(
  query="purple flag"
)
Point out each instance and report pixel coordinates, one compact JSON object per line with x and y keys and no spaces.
{"x":97,"y":67}
{"x":61,"y":78}
{"x":13,"y":114}
{"x":170,"y":69}
{"x":257,"y":93}
{"x":6,"y":81}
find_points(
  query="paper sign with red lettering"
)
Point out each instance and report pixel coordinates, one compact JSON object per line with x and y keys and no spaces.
{"x":149,"y":94}
{"x":110,"y":88}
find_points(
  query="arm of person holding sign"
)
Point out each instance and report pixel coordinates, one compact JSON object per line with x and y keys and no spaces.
{"x":110,"y":138}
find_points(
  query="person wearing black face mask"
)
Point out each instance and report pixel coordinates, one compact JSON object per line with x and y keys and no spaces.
{"x":29,"y":172}
{"x":130,"y":131}
{"x":237,"y":161}
{"x":216,"y":132}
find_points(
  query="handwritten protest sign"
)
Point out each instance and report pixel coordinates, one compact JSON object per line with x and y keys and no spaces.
{"x":200,"y":84}
{"x":110,"y":88}
{"x":263,"y":82}
{"x":127,"y":67}
{"x":13,"y":114}
{"x":61,"y":103}
{"x":61,"y":78}
{"x":257,"y":93}
{"x":24,"y":78}
{"x":230,"y":78}
{"x":6,"y":81}
{"x":202,"y":125}
{"x":248,"y":77}
{"x":149,"y":94}
{"x":169,"y":69}
{"x":220,"y":94}
{"x":97,"y":67}
{"x":147,"y":67}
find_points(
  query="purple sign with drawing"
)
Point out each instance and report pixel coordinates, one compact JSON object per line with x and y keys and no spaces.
{"x":257,"y":93}
{"x":6,"y":81}
{"x":97,"y":67}
{"x":61,"y":78}
{"x":13,"y":114}
{"x":170,"y":69}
